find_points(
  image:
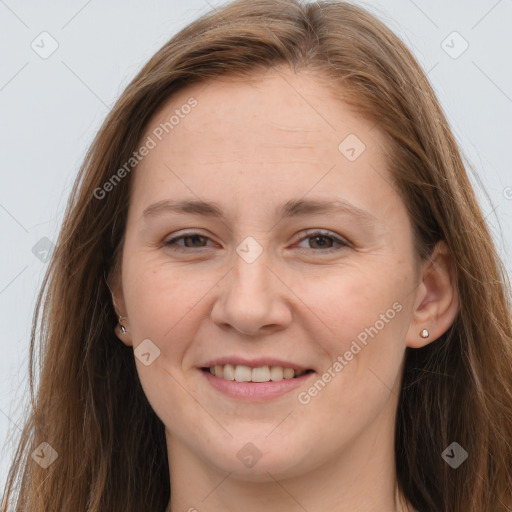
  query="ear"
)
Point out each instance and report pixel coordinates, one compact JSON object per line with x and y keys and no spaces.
{"x":118,"y":302}
{"x":436,"y":300}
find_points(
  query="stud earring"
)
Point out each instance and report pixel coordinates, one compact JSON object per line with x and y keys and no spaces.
{"x":424,"y":333}
{"x":123,"y":328}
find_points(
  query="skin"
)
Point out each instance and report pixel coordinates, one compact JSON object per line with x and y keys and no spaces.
{"x":251,"y":146}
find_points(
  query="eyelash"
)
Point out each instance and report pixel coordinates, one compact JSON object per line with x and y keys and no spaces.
{"x":310,"y":234}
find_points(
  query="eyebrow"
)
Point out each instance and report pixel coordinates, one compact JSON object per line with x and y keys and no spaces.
{"x":292,"y":208}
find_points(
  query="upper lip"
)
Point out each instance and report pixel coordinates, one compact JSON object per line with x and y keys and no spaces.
{"x":253,"y":363}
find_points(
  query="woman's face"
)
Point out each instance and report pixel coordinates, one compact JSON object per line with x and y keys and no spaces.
{"x":305,"y":262}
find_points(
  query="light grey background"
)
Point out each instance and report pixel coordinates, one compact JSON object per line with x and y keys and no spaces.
{"x":50,"y":109}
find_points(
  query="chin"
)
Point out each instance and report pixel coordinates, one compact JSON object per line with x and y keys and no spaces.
{"x":260,"y":461}
{"x":265,"y":470}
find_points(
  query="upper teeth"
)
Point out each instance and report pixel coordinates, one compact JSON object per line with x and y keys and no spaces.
{"x":242,"y":373}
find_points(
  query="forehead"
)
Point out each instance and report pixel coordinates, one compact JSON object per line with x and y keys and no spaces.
{"x":277,"y":133}
{"x":298,"y":107}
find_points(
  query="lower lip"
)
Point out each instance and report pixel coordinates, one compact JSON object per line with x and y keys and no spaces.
{"x":253,"y":391}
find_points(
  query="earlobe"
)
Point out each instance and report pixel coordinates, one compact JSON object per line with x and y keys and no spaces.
{"x":122,"y":328}
{"x":437,"y":301}
{"x":122,"y":331}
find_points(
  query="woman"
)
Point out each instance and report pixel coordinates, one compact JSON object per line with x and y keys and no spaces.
{"x":338,"y":339}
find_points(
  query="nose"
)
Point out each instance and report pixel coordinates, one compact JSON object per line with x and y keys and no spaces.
{"x":253,"y":299}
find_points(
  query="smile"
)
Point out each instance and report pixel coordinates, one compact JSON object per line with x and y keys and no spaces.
{"x":243,"y":373}
{"x":257,"y":384}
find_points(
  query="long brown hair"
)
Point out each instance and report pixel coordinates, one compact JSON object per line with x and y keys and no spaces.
{"x":112,"y":457}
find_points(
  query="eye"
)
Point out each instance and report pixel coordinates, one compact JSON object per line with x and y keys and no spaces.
{"x":321,"y":240}
{"x":191,"y":241}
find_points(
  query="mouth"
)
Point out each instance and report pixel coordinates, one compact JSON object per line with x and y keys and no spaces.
{"x":259,"y":374}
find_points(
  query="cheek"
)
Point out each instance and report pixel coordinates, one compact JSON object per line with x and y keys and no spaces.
{"x":363,"y":328}
{"x":364,"y":320}
{"x":162,"y":303}
{"x":356,"y":303}
{"x":163,"y":306}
